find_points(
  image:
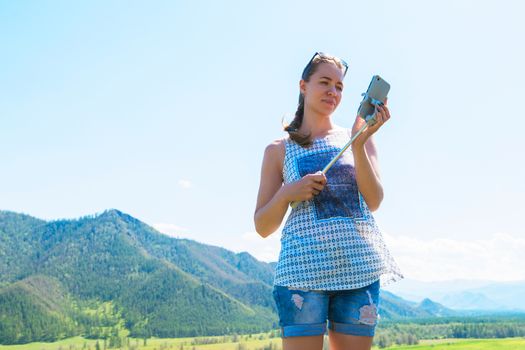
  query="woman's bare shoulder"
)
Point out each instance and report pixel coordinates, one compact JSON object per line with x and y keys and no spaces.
{"x":276,"y":148}
{"x":274,"y":155}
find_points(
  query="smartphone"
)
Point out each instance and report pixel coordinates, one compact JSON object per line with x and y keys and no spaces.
{"x":377,"y":91}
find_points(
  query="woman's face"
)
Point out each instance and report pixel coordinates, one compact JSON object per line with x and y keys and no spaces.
{"x":323,"y":92}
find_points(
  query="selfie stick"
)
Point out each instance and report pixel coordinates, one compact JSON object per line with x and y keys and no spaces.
{"x":370,"y":120}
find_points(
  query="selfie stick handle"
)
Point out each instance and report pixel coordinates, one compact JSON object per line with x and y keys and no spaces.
{"x":332,"y":162}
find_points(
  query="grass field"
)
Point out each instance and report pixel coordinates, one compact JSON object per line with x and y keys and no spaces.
{"x":260,"y":341}
{"x":467,"y":344}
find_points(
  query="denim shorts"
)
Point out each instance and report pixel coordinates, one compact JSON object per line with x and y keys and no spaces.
{"x":305,"y":312}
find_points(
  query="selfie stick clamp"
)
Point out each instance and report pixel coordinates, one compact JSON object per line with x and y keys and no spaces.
{"x":370,"y":120}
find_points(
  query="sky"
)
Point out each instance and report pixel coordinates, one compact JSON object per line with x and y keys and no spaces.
{"x":163,"y":109}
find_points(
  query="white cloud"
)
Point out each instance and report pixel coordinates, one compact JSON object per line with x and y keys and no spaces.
{"x":497,"y":258}
{"x":171,"y":229}
{"x":264,"y":249}
{"x":185,"y":183}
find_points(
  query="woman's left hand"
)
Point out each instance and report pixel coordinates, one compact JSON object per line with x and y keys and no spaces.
{"x":382,"y":116}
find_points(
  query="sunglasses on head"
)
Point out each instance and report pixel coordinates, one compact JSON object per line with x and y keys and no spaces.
{"x":323,"y":55}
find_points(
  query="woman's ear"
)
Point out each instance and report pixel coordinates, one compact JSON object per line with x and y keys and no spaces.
{"x":302,"y":86}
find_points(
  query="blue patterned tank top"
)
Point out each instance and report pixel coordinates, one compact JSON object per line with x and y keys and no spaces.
{"x":331,"y":242}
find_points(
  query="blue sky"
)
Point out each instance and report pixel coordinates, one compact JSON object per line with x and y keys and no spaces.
{"x":162,"y":109}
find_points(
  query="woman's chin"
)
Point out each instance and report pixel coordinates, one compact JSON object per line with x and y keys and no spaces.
{"x":328,"y":109}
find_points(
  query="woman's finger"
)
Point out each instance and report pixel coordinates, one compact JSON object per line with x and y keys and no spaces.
{"x":387,"y":112}
{"x":317,"y":186}
{"x":380,"y":114}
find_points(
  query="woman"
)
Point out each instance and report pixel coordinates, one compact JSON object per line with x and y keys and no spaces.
{"x":332,"y":253}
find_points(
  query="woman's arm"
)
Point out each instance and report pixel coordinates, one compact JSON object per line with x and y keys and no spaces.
{"x":367,"y":174}
{"x":271,"y":203}
{"x":365,"y":160}
{"x":274,"y":197}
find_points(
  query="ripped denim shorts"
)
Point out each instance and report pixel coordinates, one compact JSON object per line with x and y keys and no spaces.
{"x":305,"y":312}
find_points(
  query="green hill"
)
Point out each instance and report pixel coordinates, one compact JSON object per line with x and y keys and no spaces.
{"x":159,"y":285}
{"x":35,"y":308}
{"x":99,"y":274}
{"x":17,"y":245}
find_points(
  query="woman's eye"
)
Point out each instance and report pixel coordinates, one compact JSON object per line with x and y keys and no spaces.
{"x":340,"y":88}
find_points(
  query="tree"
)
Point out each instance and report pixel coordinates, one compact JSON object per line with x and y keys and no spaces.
{"x":383,"y":341}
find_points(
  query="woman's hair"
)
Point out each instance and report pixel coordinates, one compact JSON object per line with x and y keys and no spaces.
{"x":293,"y":128}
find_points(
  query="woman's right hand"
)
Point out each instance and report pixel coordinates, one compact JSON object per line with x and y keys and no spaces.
{"x":274,"y":197}
{"x":305,"y":189}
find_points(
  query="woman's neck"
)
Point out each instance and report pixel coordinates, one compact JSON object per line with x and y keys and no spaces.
{"x":316,"y":125}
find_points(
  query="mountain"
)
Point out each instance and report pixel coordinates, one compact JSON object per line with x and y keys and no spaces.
{"x":157,"y":285}
{"x":16,"y":240}
{"x":35,"y":308}
{"x":466,"y":294}
{"x":395,"y":307}
{"x":467,"y":300}
{"x":99,"y":274}
{"x":435,"y":309}
{"x":509,"y":295}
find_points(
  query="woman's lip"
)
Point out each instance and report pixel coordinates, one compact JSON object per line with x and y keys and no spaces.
{"x":330,"y":102}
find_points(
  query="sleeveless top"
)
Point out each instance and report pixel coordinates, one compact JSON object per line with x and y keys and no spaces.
{"x":330,"y":242}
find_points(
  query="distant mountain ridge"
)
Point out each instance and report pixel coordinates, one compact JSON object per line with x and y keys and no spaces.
{"x":470,"y":295}
{"x":100,"y":273}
